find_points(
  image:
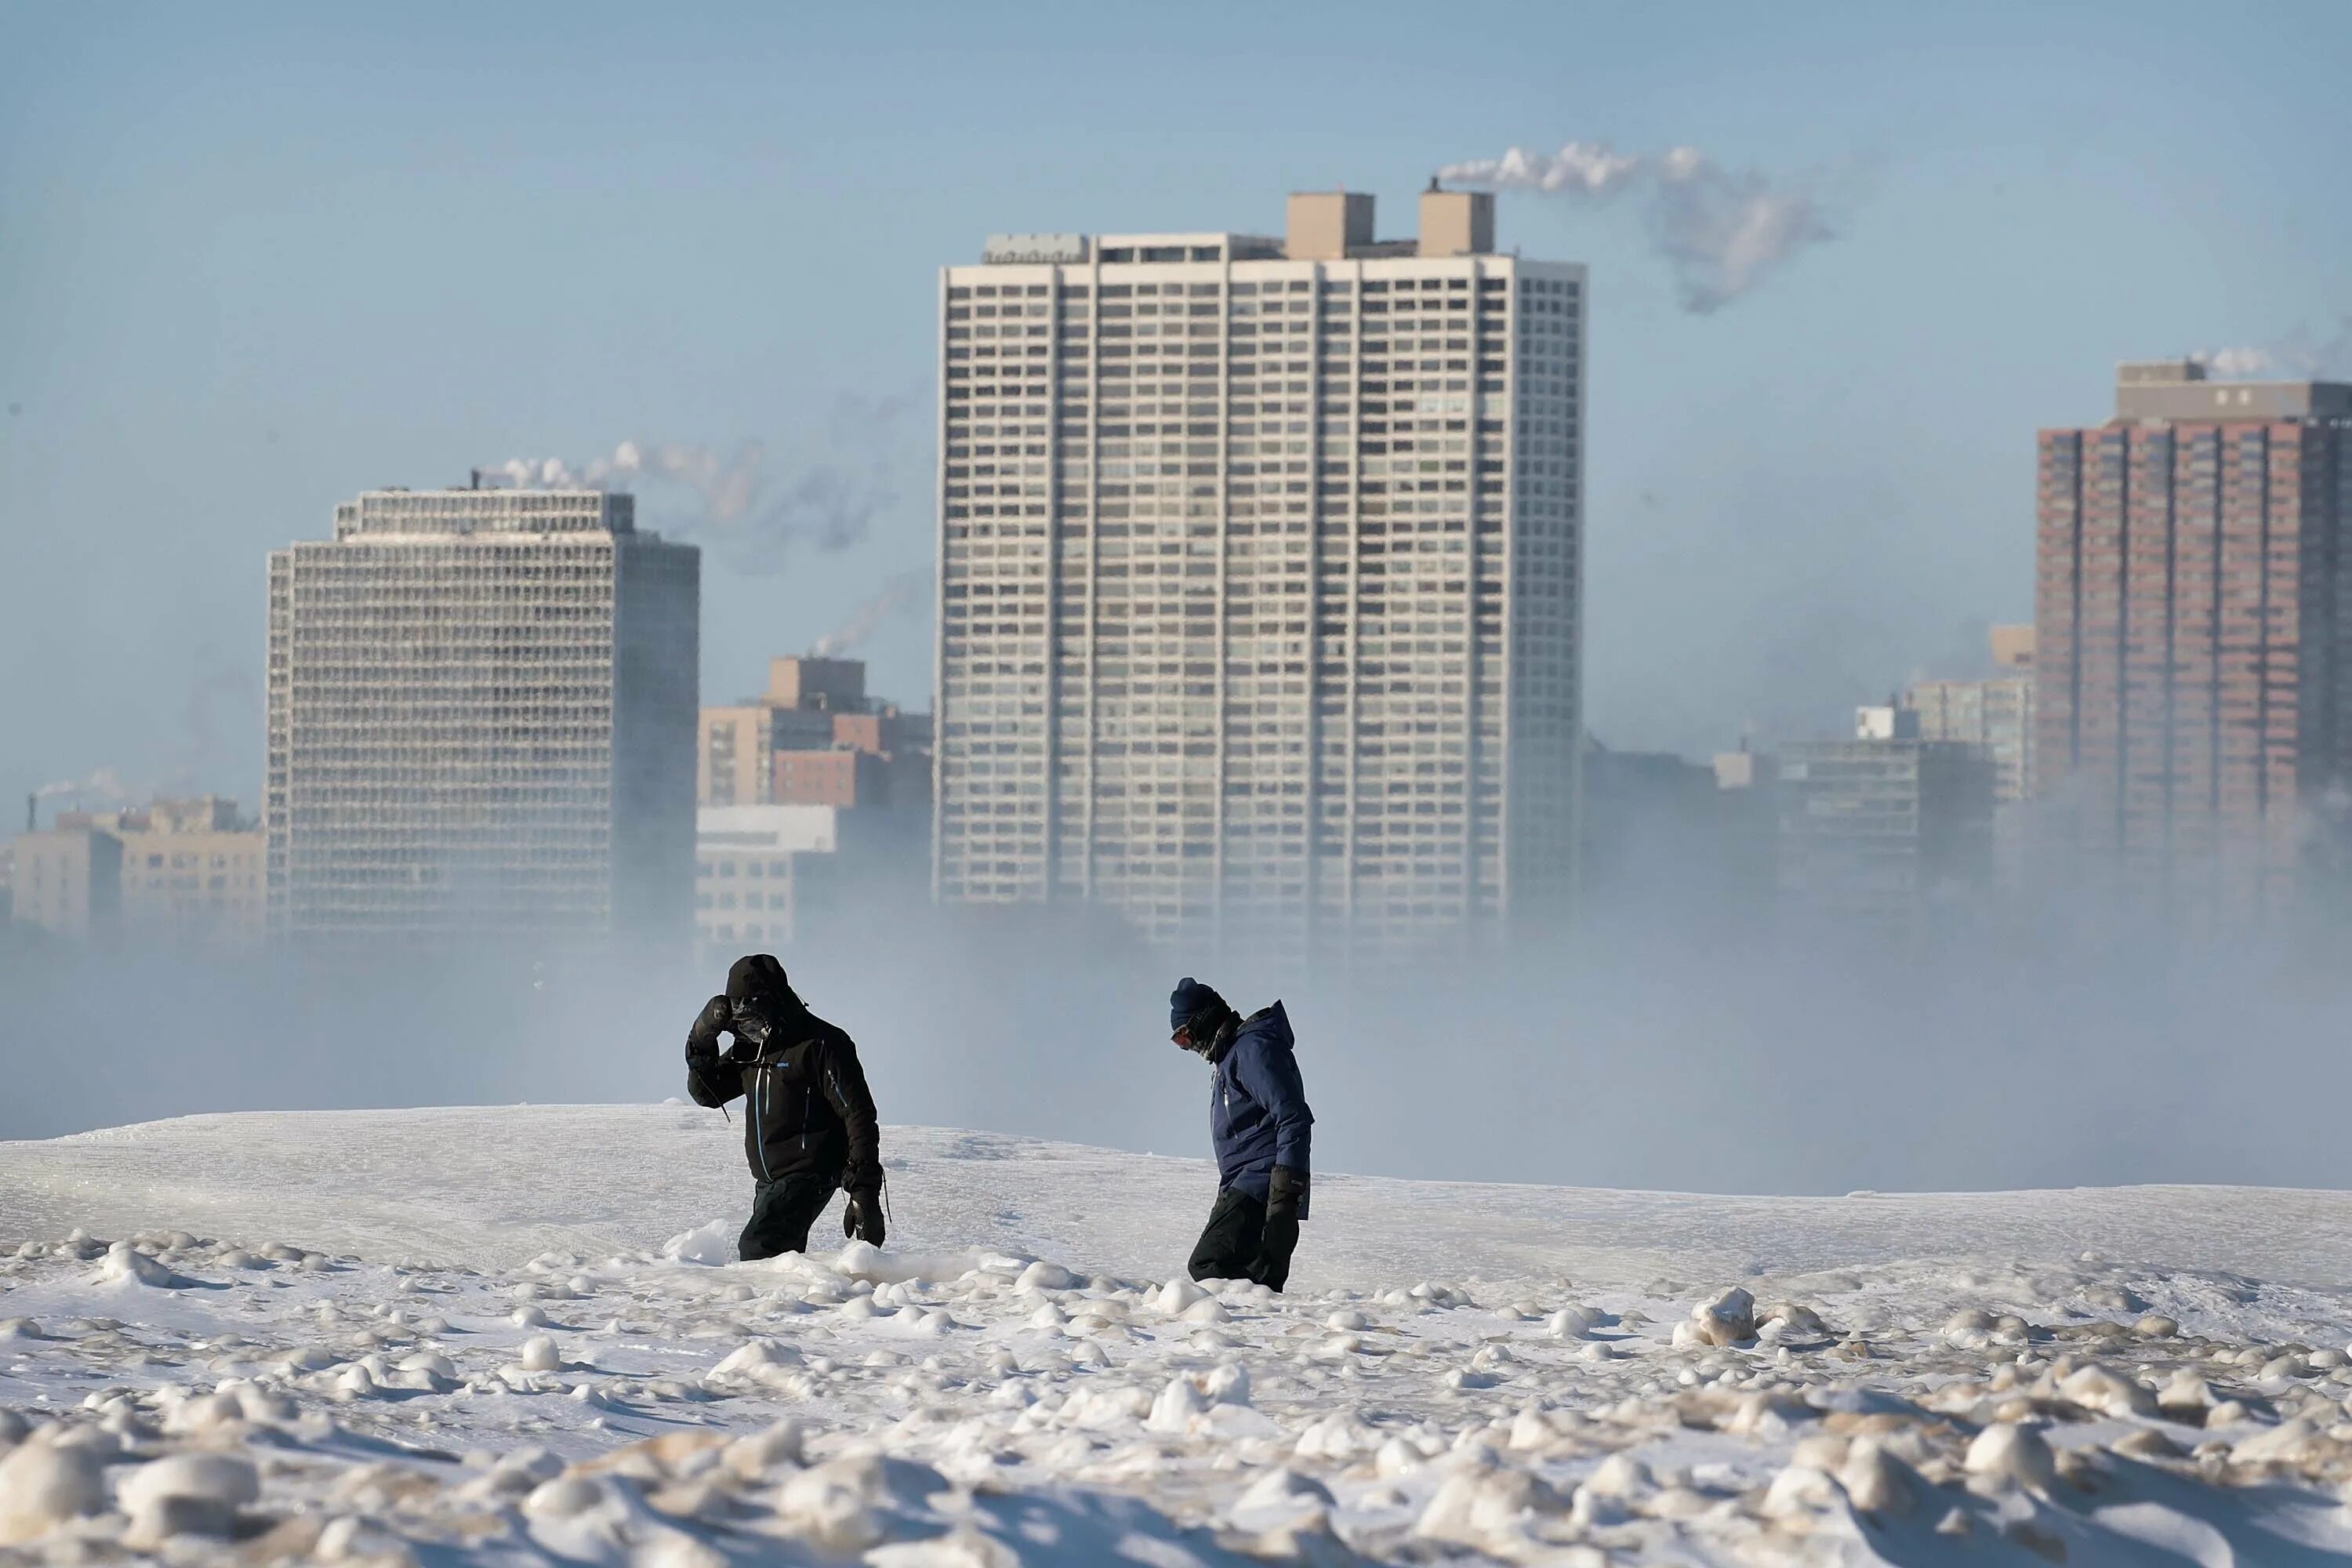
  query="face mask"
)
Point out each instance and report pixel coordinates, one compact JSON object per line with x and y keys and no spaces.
{"x":753,"y":1027}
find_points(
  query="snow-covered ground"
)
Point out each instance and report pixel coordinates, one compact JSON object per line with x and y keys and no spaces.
{"x":509,"y":1335}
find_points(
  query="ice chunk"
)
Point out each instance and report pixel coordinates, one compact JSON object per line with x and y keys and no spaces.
{"x":539,"y":1353}
{"x":840,"y":1506}
{"x":754,"y":1359}
{"x":43,"y":1484}
{"x":961,"y":1547}
{"x":126,"y":1265}
{"x":566,"y":1497}
{"x":1572,"y":1323}
{"x":185,"y":1494}
{"x":1334,"y":1436}
{"x":1728,"y":1319}
{"x":1798,"y":1490}
{"x":1486,"y":1509}
{"x":1968,"y":1329}
{"x":1178,"y":1404}
{"x":1044,"y":1275}
{"x":2004,"y":1451}
{"x":710,"y":1244}
{"x":2288,"y":1443}
{"x":1177,"y":1296}
{"x":1874,"y":1481}
{"x":755,"y":1456}
{"x":1283,"y":1488}
{"x":1228,"y":1384}
{"x":2093,"y":1387}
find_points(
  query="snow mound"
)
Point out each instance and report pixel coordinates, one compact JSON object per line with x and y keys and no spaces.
{"x":1026,"y":1378}
{"x":710,"y":1244}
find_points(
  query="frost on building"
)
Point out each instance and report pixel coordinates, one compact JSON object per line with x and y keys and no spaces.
{"x":1261,"y":567}
{"x":481,"y":720}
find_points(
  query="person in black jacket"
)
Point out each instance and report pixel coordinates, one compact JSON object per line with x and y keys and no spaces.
{"x":809,"y":1127}
{"x":1261,"y":1129}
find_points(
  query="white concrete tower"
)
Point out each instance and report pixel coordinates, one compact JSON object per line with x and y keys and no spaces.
{"x":481,"y":722}
{"x":1260,"y":578}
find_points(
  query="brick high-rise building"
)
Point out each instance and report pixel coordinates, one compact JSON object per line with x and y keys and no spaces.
{"x":2193,"y":699}
{"x":481,"y":721}
{"x":1261,"y":571}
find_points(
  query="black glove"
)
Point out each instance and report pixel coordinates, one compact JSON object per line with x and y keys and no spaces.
{"x":1286,"y":1205}
{"x":861,"y":1217}
{"x":1285,"y":1194}
{"x":715,"y":1019}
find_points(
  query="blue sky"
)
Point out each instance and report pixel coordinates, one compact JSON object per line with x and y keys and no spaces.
{"x":256,"y":259}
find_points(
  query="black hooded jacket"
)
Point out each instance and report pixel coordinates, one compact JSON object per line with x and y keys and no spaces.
{"x":810,"y":1113}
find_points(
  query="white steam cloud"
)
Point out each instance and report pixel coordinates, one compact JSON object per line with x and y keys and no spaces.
{"x":739,"y":510}
{"x":103,"y":784}
{"x":2301,"y":352}
{"x":1721,"y":230}
{"x":902,"y":594}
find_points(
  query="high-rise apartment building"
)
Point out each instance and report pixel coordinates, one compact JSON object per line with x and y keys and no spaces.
{"x":1261,"y":570}
{"x":481,"y":716}
{"x":2192,"y":688}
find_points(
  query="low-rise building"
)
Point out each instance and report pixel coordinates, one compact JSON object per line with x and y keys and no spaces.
{"x":176,"y":873}
{"x":67,"y":880}
{"x":815,"y":738}
{"x":763,"y":874}
{"x":194,"y":874}
{"x":1878,"y":830}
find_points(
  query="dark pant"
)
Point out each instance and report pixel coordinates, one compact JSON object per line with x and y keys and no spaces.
{"x":781,"y":1213}
{"x":1238,"y":1243}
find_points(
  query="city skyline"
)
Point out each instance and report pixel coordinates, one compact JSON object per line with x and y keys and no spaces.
{"x":182,"y":348}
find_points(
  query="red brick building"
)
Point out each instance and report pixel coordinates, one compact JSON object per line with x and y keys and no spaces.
{"x":2192,"y":607}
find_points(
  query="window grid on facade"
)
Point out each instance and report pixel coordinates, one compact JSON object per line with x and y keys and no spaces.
{"x":480,"y":721}
{"x":1261,"y":589}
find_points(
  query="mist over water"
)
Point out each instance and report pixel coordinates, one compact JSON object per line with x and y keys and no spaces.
{"x":2034,"y":1050}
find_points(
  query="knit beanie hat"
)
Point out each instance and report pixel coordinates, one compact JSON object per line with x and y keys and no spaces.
{"x":756,"y":976}
{"x":1189,"y":1000}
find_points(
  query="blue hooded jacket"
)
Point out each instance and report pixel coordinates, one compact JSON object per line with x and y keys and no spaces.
{"x":1257,"y":1106}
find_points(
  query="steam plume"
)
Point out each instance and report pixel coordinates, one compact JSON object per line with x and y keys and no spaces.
{"x":105,"y":783}
{"x":738,"y":511}
{"x":1721,"y":230}
{"x":2301,"y":352}
{"x":901,"y":594}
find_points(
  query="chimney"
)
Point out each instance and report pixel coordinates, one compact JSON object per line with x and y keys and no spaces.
{"x":1456,"y":223}
{"x":1323,"y":225}
{"x":31,"y":813}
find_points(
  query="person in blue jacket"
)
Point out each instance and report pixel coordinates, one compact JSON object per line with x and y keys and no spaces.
{"x":1260,"y":1125}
